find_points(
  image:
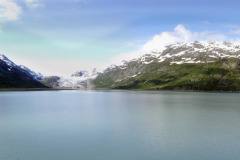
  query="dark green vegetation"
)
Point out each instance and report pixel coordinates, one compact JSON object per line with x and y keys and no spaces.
{"x":222,"y":75}
{"x":11,"y":77}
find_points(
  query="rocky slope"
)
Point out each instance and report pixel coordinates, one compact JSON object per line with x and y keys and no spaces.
{"x":197,"y":65}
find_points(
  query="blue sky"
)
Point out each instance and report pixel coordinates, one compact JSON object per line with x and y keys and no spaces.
{"x":62,"y":36}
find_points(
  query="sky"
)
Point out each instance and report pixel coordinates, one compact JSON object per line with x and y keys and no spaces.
{"x":59,"y":37}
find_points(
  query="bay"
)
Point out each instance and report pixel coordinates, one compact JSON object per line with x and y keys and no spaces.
{"x":119,"y":125}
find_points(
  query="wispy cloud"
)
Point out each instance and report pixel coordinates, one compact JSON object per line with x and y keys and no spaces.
{"x":234,"y":29}
{"x":205,"y":22}
{"x":160,"y":41}
{"x":32,"y":4}
{"x":9,"y":10}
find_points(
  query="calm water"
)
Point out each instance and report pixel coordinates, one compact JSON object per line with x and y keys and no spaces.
{"x":113,"y":125}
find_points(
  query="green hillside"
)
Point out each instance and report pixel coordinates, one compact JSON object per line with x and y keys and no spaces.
{"x":222,"y":75}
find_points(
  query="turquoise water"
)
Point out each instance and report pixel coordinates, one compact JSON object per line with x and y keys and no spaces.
{"x":115,"y":125}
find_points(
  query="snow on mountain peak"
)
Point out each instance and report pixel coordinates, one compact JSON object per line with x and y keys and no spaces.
{"x":186,"y":52}
{"x":86,"y":74}
{"x":191,"y":52}
{"x":228,"y":46}
{"x":7,"y":61}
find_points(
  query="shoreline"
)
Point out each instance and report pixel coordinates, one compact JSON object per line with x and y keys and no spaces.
{"x":104,"y":89}
{"x":159,"y":90}
{"x":35,"y":89}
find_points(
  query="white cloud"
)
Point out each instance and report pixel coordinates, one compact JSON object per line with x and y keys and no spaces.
{"x":179,"y":34}
{"x":160,"y":41}
{"x":9,"y":10}
{"x":32,"y":4}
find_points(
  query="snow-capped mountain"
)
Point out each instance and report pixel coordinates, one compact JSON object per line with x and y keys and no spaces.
{"x":186,"y":52}
{"x":162,"y":68}
{"x":193,"y":52}
{"x":12,"y":76}
{"x":36,"y":76}
{"x":86,"y":74}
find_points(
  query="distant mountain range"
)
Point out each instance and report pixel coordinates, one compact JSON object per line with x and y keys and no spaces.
{"x":205,"y":66}
{"x":14,"y":76}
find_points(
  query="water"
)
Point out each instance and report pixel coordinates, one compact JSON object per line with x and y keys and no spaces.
{"x":114,"y":125}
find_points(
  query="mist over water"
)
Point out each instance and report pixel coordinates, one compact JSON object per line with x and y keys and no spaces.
{"x":119,"y":125}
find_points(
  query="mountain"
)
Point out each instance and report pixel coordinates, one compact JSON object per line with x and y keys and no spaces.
{"x":13,"y":76}
{"x":79,"y":80}
{"x":36,"y":76}
{"x":208,"y":66}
